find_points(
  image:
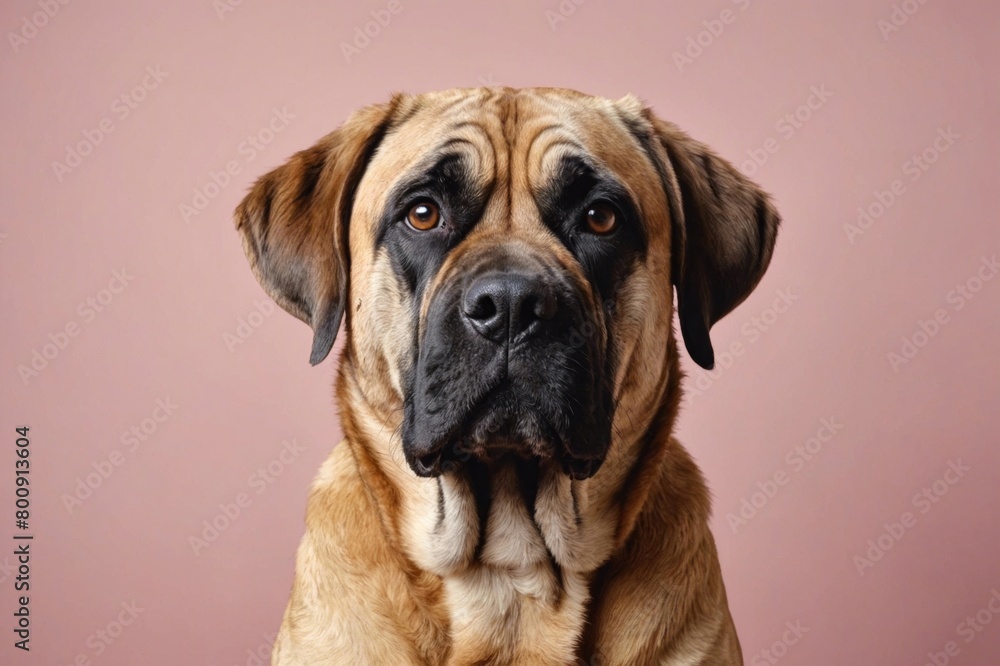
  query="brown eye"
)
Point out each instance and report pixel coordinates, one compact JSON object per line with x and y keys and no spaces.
{"x":424,"y":216}
{"x":601,"y":219}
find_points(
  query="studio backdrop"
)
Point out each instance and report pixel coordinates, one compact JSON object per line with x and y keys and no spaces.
{"x":171,"y":420}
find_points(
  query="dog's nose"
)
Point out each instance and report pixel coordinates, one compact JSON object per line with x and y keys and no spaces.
{"x":509,"y":306}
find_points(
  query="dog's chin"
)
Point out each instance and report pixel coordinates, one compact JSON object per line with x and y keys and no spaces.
{"x":498,"y":428}
{"x":491,"y":436}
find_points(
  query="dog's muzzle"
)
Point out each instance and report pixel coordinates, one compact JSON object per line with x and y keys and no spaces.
{"x":511,"y":362}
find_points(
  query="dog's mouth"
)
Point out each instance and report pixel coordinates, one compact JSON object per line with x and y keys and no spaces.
{"x":506,"y":423}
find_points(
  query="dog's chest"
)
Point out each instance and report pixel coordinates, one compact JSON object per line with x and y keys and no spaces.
{"x":515,"y":561}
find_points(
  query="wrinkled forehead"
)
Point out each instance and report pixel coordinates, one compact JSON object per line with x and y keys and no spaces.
{"x":484,"y":139}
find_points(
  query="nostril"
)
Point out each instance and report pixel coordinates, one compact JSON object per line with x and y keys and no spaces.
{"x":544,"y":307}
{"x":536,"y":307}
{"x":482,"y":308}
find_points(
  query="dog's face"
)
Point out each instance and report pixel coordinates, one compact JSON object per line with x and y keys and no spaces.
{"x":506,"y":262}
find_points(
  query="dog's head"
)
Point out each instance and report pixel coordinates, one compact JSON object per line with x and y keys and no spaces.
{"x":506,"y":261}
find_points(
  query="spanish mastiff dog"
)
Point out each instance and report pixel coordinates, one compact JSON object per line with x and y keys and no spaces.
{"x":508,"y":490}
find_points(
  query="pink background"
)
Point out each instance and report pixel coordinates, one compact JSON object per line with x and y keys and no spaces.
{"x":824,"y":357}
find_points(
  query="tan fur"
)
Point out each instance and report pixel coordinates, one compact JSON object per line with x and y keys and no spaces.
{"x":636,"y":579}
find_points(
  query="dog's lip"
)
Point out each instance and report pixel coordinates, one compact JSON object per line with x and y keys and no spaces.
{"x":457,"y":446}
{"x":452,"y":458}
{"x":427,"y":466}
{"x":436,"y":464}
{"x":580,"y":469}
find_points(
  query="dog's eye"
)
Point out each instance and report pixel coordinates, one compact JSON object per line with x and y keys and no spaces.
{"x":424,"y":216}
{"x":601,"y":219}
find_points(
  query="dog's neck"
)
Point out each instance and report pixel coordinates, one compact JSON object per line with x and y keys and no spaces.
{"x":515,"y":561}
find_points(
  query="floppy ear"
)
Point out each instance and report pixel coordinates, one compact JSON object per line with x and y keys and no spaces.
{"x":723,"y":227}
{"x":294,"y":224}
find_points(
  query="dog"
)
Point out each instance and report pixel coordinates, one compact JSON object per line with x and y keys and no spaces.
{"x":508,"y":490}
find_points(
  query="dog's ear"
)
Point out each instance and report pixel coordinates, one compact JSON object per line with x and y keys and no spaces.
{"x":294,"y":224}
{"x":723,"y":233}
